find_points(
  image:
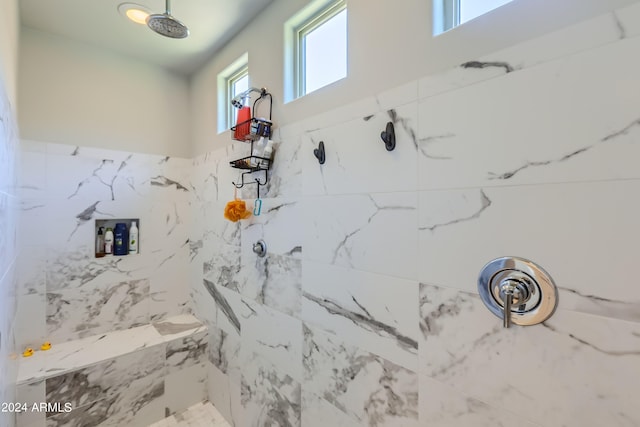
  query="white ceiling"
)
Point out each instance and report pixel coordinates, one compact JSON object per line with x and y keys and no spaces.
{"x":212,"y":23}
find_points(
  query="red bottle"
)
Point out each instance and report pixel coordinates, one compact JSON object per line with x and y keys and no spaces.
{"x":243,"y":124}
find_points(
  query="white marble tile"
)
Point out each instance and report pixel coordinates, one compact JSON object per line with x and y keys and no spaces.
{"x":364,"y":386}
{"x":285,"y":176}
{"x":117,"y":175}
{"x":274,"y":281}
{"x":86,"y":351}
{"x":558,"y":44}
{"x":317,"y":412}
{"x":274,"y":337}
{"x":573,"y":231}
{"x":31,"y":270}
{"x":374,"y":312}
{"x":177,"y":327}
{"x":169,"y":293}
{"x":269,"y":397}
{"x":276,"y":215}
{"x":442,"y":406}
{"x":92,"y":310}
{"x":224,"y":394}
{"x":202,"y":414}
{"x":124,"y":390}
{"x":30,"y":324}
{"x":543,"y":125}
{"x":356,"y":158}
{"x":629,"y":20}
{"x":33,"y":178}
{"x":33,"y":393}
{"x":371,"y":232}
{"x":224,"y":353}
{"x":465,"y":347}
{"x":185,"y":387}
{"x":187,"y":352}
{"x":229,"y":307}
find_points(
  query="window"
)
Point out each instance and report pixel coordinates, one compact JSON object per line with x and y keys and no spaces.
{"x":319,"y":44}
{"x":232,"y":81}
{"x":448,"y":14}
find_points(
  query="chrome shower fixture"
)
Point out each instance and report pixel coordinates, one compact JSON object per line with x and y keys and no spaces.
{"x":239,"y":100}
{"x":166,"y":25}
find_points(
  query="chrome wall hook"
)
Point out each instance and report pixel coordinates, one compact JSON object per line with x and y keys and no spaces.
{"x":517,"y":290}
{"x":389,"y":137}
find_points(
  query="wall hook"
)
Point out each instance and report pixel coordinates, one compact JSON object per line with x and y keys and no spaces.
{"x":389,"y":137}
{"x":319,"y":153}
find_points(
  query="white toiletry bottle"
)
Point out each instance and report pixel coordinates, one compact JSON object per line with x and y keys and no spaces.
{"x":267,"y":153}
{"x":133,"y":238}
{"x":108,"y":242}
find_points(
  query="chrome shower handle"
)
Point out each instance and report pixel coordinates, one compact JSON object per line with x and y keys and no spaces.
{"x":512,"y":290}
{"x":518,"y":291}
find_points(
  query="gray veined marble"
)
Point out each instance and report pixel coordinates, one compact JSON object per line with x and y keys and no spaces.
{"x":112,"y":393}
{"x":364,"y":386}
{"x":163,"y":181}
{"x":485,"y":203}
{"x":222,"y":304}
{"x":488,"y":64}
{"x":90,"y":310}
{"x":268,"y":397}
{"x":169,"y":328}
{"x":364,"y":320}
{"x":186,"y":352}
{"x":224,"y":354}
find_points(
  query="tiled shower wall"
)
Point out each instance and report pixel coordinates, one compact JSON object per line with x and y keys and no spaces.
{"x":9,"y":152}
{"x":365,"y":310}
{"x":65,"y":293}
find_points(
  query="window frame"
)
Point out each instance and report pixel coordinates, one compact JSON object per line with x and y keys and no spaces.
{"x":241,"y":73}
{"x":310,"y":24}
{"x":447,"y":15}
{"x":235,"y":71}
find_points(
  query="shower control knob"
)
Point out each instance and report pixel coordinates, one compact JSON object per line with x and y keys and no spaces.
{"x":518,"y":291}
{"x":260,"y":248}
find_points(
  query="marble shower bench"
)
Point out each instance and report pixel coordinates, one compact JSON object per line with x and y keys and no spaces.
{"x":132,"y":377}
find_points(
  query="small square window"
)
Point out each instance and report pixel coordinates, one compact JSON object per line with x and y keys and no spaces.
{"x":448,"y":14}
{"x":236,"y":84}
{"x":232,"y":81}
{"x":320,"y":47}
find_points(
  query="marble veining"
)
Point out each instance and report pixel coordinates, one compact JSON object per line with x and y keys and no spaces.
{"x":485,"y":203}
{"x":363,"y":319}
{"x":566,"y":157}
{"x":223,"y":304}
{"x":363,"y":385}
{"x":269,"y":397}
{"x":163,"y":181}
{"x":488,"y":64}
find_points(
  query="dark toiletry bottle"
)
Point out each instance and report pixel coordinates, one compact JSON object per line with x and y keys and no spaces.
{"x":121,"y":239}
{"x":100,"y":242}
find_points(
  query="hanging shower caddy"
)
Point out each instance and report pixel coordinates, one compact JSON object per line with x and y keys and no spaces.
{"x":251,"y":131}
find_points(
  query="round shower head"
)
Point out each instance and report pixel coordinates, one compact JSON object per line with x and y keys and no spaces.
{"x":167,"y":25}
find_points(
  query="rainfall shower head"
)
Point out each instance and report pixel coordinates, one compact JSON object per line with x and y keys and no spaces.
{"x":166,"y":25}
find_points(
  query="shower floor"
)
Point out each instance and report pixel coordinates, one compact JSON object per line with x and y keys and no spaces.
{"x":202,"y":414}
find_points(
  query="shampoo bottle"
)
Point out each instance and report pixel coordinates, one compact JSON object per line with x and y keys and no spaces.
{"x":133,"y":238}
{"x":108,"y":242}
{"x":121,"y":241}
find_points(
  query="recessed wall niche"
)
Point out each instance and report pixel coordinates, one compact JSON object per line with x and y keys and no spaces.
{"x":123,"y":243}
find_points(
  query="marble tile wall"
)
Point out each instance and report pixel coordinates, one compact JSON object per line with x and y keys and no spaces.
{"x":365,"y":310}
{"x":9,"y":219}
{"x":66,"y":293}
